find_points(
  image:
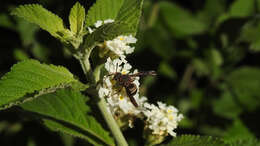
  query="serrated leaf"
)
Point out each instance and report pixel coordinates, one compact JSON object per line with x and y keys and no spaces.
{"x":194,"y":140}
{"x":30,"y":78}
{"x":48,"y":21}
{"x":246,"y":142}
{"x":106,"y":32}
{"x":245,"y":83}
{"x":130,"y":13}
{"x":237,"y":132}
{"x":66,"y":111}
{"x":180,"y":22}
{"x":77,"y":18}
{"x":102,"y":10}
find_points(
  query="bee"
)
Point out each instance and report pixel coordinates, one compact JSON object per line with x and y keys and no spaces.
{"x":126,"y":81}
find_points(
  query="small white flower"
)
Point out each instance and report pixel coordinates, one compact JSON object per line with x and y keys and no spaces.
{"x":90,"y":30}
{"x":120,"y":45}
{"x":98,"y":23}
{"x":162,"y":120}
{"x":116,"y":66}
{"x":108,"y":21}
{"x":102,"y":92}
{"x":128,"y":39}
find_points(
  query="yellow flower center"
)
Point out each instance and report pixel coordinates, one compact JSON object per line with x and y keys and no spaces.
{"x":170,"y":117}
{"x":121,"y":97}
{"x":121,"y":38}
{"x":169,"y":111}
{"x":124,"y":72}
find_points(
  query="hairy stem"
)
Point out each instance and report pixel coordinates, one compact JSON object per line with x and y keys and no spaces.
{"x":86,"y":66}
{"x":114,"y":128}
{"x":112,"y":123}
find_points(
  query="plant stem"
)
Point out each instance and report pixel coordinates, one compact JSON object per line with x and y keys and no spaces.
{"x":114,"y":128}
{"x":85,"y":65}
{"x":112,"y":123}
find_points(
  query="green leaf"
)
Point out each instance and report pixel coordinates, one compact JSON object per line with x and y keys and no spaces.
{"x":180,"y":22}
{"x":226,"y":106}
{"x":77,"y":18}
{"x":246,"y":142}
{"x":106,"y":32}
{"x":26,"y":31}
{"x":242,"y":8}
{"x":30,"y":78}
{"x":250,"y":34}
{"x":6,"y":22}
{"x":48,"y":21}
{"x":194,"y":140}
{"x":127,"y":11}
{"x":215,"y":57}
{"x":66,"y":111}
{"x":255,"y":46}
{"x":67,"y":139}
{"x":245,"y":83}
{"x":200,"y":67}
{"x":20,"y":55}
{"x":196,"y":97}
{"x":102,"y":10}
{"x":162,"y":43}
{"x":214,"y":8}
{"x":130,"y":13}
{"x":237,"y":132}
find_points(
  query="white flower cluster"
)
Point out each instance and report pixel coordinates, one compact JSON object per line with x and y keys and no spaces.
{"x":120,"y":45}
{"x":118,"y":100}
{"x":160,"y":120}
{"x":163,"y":119}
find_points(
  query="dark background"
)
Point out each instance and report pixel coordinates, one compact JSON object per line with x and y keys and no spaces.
{"x":206,"y":53}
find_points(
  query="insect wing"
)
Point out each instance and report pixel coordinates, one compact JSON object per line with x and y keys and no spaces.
{"x":131,"y":91}
{"x":144,"y":73}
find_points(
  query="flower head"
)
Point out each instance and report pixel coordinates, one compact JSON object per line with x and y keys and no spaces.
{"x":162,"y":119}
{"x":117,"y":98}
{"x":120,"y":45}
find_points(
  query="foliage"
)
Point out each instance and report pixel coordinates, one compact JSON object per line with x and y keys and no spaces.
{"x":30,"y":79}
{"x":206,"y":55}
{"x":65,"y":111}
{"x":46,"y":20}
{"x":190,"y":140}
